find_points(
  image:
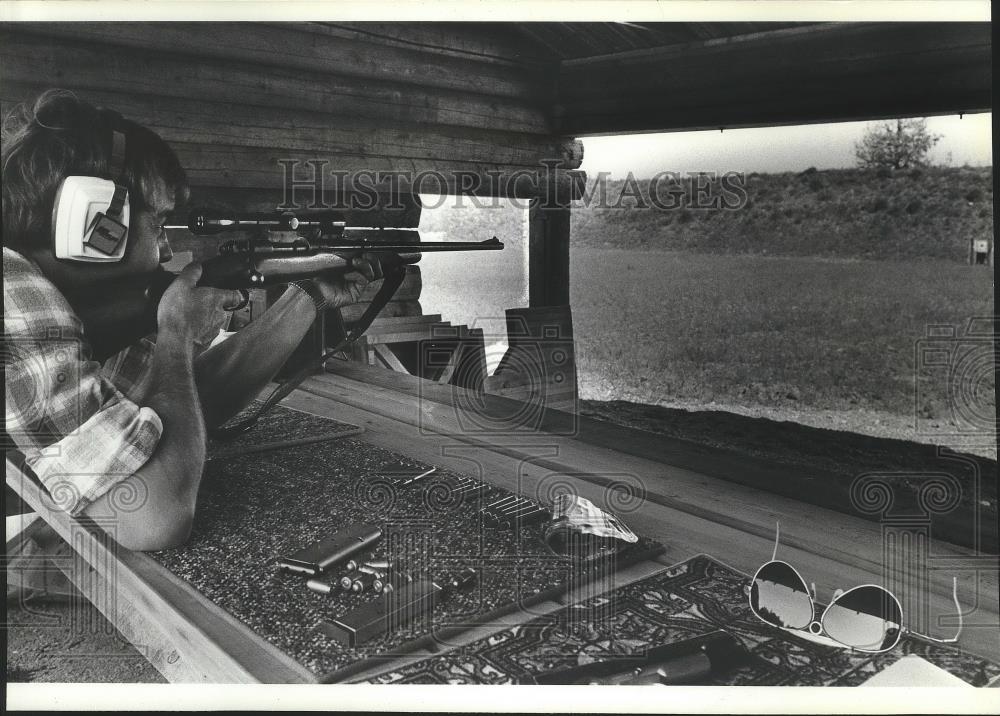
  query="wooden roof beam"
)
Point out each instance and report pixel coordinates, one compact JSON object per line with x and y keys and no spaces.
{"x":831,"y":72}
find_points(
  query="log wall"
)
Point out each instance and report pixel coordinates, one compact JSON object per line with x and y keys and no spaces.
{"x":237,"y":101}
{"x":234,"y":99}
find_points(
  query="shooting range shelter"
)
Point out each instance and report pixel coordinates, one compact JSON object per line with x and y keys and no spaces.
{"x":494,"y":102}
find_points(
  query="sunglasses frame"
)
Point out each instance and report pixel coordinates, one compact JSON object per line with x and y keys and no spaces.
{"x":840,"y":594}
{"x":821,"y":629}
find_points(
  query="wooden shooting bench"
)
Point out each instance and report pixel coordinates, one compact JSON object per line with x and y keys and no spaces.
{"x":260,"y":114}
{"x":189,"y":638}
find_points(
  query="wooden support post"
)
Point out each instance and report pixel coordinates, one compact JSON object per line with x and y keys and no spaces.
{"x":548,"y":253}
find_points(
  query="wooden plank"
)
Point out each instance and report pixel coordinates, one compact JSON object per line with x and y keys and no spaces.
{"x":286,"y":46}
{"x":449,"y":370}
{"x":400,"y":321}
{"x":850,"y":45}
{"x":816,"y":485}
{"x":385,"y":354}
{"x":243,"y":167}
{"x":196,"y":122}
{"x":392,"y":309}
{"x":206,"y":121}
{"x":850,"y":72}
{"x":690,"y":512}
{"x":554,"y":398}
{"x":34,"y":63}
{"x":471,"y":367}
{"x":816,"y":73}
{"x":494,"y":43}
{"x":213,"y":646}
{"x":399,"y":335}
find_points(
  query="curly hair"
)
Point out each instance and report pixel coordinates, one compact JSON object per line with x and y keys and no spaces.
{"x":60,"y":135}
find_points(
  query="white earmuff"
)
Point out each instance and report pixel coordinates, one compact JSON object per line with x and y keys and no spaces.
{"x":82,"y":228}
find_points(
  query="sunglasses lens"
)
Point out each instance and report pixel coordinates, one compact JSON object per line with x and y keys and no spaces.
{"x":780,"y":597}
{"x":866,"y":618}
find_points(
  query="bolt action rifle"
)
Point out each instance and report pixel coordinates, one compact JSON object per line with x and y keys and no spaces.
{"x":323,"y":244}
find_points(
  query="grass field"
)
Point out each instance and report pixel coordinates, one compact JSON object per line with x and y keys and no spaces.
{"x":805,"y":333}
{"x":826,"y":333}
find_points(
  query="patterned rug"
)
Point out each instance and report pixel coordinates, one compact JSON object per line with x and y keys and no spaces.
{"x":279,"y":427}
{"x":684,"y":601}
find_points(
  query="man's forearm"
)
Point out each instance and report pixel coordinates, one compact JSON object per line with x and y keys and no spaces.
{"x":174,"y":397}
{"x":232,"y":373}
{"x":170,"y":479}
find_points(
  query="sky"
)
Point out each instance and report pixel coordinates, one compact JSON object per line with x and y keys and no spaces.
{"x":966,"y":140}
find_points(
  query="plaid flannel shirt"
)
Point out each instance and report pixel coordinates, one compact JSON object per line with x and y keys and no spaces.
{"x":74,"y":420}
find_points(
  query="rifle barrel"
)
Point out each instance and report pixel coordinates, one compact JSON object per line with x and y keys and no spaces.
{"x":419,"y":247}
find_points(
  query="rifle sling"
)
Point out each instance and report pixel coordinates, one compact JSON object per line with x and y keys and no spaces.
{"x":392,"y":281}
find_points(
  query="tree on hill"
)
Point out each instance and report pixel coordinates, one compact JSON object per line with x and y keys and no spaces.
{"x":900,"y":145}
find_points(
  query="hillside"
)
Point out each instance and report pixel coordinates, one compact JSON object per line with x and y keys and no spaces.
{"x":849,"y":213}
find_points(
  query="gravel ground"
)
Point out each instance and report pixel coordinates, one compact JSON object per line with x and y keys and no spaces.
{"x":50,"y":641}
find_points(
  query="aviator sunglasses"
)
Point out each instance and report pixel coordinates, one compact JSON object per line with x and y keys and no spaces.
{"x":866,"y":618}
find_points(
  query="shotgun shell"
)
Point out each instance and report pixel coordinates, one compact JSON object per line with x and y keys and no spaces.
{"x":369,"y":570}
{"x":346,"y":581}
{"x":382,"y":564}
{"x":362,"y":582}
{"x":319,"y":586}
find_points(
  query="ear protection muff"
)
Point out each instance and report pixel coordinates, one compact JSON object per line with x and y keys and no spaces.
{"x":90,"y":216}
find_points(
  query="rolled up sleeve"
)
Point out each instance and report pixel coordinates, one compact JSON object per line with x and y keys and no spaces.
{"x":78,"y":432}
{"x":109,"y":447}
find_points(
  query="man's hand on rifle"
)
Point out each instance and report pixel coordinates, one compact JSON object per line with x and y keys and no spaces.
{"x":192,"y":313}
{"x":345,"y":289}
